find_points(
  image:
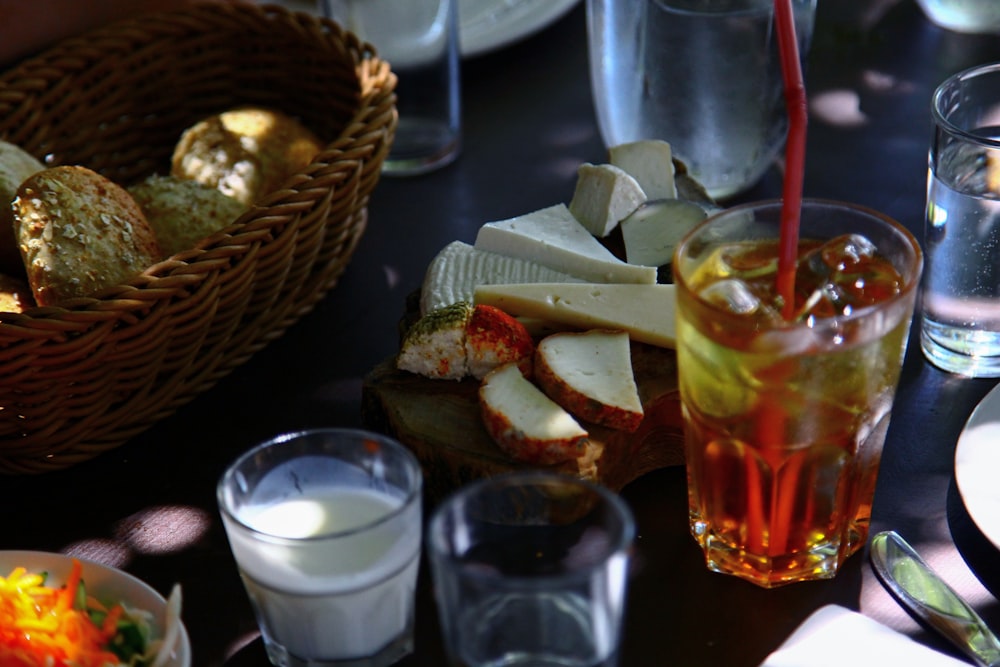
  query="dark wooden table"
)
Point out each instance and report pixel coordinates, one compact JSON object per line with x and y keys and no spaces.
{"x":150,"y":508}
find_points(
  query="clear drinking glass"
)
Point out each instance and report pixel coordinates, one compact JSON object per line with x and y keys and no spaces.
{"x":703,"y":75}
{"x":325,"y":527}
{"x":530,"y":569}
{"x":419,"y":39}
{"x":785,"y":414}
{"x":960,"y":330}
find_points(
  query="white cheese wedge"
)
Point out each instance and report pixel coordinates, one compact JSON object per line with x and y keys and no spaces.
{"x":454,"y":273}
{"x":650,"y":162}
{"x":525,"y":422}
{"x":646,"y":312}
{"x":604,"y":195}
{"x":590,"y":374}
{"x":654,"y":229}
{"x":554,"y":238}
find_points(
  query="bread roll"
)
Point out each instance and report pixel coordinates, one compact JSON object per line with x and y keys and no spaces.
{"x":16,"y":165}
{"x":79,"y":233}
{"x":183,"y":212}
{"x":245,"y":153}
{"x":15,"y":295}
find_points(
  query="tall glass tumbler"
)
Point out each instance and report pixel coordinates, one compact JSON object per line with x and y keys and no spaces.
{"x":785,"y":414}
{"x":703,"y":75}
{"x":419,"y":39}
{"x":960,"y":330}
{"x":325,"y":527}
{"x":530,"y":569}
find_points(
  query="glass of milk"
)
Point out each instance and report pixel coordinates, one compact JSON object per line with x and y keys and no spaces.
{"x":325,"y":527}
{"x":530,"y":569}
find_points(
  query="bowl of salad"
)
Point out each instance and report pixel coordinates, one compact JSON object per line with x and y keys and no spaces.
{"x":63,"y":611}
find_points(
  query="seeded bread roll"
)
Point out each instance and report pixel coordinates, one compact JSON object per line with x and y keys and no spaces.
{"x":245,"y":153}
{"x":15,"y":295}
{"x":16,"y":165}
{"x":183,"y":212}
{"x":79,"y":233}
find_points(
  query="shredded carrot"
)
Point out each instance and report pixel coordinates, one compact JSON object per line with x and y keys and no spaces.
{"x":41,"y":627}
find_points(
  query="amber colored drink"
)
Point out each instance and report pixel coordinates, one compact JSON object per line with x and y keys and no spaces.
{"x":785,"y":416}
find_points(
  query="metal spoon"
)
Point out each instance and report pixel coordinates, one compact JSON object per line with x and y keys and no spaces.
{"x":921,"y":590}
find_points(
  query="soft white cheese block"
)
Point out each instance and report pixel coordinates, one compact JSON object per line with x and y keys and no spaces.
{"x":458,"y":268}
{"x":650,"y":162}
{"x":604,"y":195}
{"x":654,"y":229}
{"x":554,"y":238}
{"x":646,"y":312}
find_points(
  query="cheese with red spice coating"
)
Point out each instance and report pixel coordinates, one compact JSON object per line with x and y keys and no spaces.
{"x":590,"y":374}
{"x":525,"y":423}
{"x":463,"y":340}
{"x":494,"y":338}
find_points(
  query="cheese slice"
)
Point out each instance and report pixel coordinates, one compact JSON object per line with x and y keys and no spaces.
{"x":553,"y":237}
{"x":458,"y":268}
{"x":646,"y":312}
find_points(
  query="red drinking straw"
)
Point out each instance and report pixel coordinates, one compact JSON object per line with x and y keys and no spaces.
{"x":795,"y":152}
{"x":773,"y":418}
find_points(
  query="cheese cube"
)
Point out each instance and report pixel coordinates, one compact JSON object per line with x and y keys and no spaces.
{"x":604,"y":195}
{"x":653,"y":231}
{"x":650,"y":162}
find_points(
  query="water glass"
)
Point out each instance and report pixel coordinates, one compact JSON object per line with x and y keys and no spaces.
{"x":419,"y":39}
{"x":325,"y":528}
{"x":971,"y":16}
{"x":703,"y":75}
{"x":960,"y":330}
{"x":530,"y":569}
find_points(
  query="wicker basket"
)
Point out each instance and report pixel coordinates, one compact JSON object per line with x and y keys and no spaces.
{"x":82,"y":378}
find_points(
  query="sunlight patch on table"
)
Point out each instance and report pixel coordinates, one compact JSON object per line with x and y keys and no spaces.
{"x":840,"y":108}
{"x":163,"y":529}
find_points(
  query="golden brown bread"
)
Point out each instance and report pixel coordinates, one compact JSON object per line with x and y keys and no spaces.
{"x":78,"y":233}
{"x":15,"y":295}
{"x":246,"y":153}
{"x":183,"y":212}
{"x":16,"y":165}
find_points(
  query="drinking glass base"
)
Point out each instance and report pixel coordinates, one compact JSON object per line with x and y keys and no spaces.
{"x":962,"y":358}
{"x":390,"y":654}
{"x":421,"y":146}
{"x":821,"y":562}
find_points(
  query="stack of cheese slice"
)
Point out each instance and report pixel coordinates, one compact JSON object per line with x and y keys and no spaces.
{"x":550,"y":265}
{"x":560,"y":243}
{"x":586,"y":376}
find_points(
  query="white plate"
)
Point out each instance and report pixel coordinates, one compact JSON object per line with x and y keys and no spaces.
{"x":977,"y":462}
{"x":487,"y":25}
{"x":483,"y":25}
{"x":106,"y":584}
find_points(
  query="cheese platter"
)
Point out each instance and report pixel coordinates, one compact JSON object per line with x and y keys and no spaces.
{"x":541,"y":344}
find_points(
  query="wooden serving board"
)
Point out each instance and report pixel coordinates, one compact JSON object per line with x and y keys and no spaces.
{"x":439,"y":420}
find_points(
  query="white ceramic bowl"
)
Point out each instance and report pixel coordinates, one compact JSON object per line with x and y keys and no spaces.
{"x":106,"y":584}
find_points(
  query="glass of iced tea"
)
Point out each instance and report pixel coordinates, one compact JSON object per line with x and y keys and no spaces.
{"x":786,"y":409}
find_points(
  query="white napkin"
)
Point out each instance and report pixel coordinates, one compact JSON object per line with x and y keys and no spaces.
{"x":834,"y":636}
